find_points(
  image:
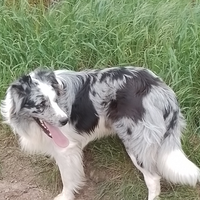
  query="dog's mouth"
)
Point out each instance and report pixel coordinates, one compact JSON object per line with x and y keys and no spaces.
{"x":53,"y":132}
{"x":43,"y":126}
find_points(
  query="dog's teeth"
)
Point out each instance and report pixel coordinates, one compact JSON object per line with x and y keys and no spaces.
{"x":44,"y":127}
{"x":42,"y":123}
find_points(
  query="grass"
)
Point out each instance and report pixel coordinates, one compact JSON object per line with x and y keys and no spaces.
{"x":163,"y":36}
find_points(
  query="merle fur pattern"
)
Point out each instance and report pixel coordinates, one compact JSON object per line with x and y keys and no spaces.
{"x":130,"y":102}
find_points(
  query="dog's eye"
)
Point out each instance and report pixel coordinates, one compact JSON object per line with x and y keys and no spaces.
{"x":42,"y":104}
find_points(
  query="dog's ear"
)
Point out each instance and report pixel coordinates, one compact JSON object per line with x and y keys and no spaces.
{"x":22,"y":86}
{"x":26,"y":80}
{"x":52,"y":78}
{"x":56,"y":84}
{"x":20,"y":90}
{"x":46,"y":75}
{"x":17,"y":88}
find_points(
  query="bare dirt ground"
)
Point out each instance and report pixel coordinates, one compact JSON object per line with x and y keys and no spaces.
{"x":21,"y":180}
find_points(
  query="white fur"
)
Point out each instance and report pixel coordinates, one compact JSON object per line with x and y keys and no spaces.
{"x":152,"y":180}
{"x":175,"y":166}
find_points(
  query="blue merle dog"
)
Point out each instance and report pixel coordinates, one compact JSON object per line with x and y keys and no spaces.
{"x":59,"y":112}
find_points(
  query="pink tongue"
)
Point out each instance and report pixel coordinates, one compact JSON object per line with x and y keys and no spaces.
{"x":57,"y":136}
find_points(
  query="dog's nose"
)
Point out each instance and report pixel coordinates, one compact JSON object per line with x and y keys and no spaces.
{"x":63,"y":121}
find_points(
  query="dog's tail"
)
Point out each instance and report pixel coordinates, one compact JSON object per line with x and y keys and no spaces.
{"x":172,"y":163}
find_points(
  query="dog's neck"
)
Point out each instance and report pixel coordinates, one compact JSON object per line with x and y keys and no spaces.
{"x":71,"y":83}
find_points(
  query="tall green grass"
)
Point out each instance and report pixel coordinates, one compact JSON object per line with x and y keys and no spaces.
{"x":161,"y":35}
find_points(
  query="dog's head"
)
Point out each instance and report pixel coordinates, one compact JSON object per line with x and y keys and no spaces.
{"x":35,"y":96}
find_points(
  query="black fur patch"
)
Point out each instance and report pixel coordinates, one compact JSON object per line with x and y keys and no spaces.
{"x":166,"y":112}
{"x":93,"y":80}
{"x":138,"y":162}
{"x":83,"y":115}
{"x":173,"y":121}
{"x":171,"y":124}
{"x":167,"y":134}
{"x":129,"y":132}
{"x":29,"y":103}
{"x":128,"y":102}
{"x":26,"y":79}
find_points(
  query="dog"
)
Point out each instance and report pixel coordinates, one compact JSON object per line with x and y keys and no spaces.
{"x":59,"y":112}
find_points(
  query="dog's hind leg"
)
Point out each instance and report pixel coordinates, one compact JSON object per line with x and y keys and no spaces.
{"x":152,"y":180}
{"x":141,"y":145}
{"x":71,"y":169}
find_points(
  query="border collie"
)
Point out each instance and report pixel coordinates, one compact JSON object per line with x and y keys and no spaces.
{"x":59,"y":112}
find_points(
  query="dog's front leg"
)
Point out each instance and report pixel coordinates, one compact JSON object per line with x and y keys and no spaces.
{"x":72,"y":173}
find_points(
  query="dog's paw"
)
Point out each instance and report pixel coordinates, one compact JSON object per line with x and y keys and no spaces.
{"x":63,"y":197}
